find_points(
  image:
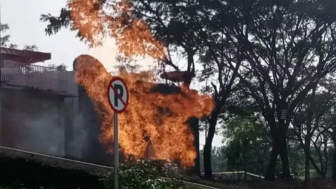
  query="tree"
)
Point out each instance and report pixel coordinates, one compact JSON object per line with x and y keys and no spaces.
{"x":218,"y":159}
{"x":13,"y":46}
{"x":61,"y":67}
{"x":332,"y":132}
{"x":279,"y":50}
{"x":143,"y":28}
{"x":5,"y":40}
{"x":216,"y":56}
{"x":247,"y":143}
{"x":310,"y":126}
{"x":30,"y":48}
{"x":136,"y":31}
{"x":324,"y":114}
{"x":286,"y":47}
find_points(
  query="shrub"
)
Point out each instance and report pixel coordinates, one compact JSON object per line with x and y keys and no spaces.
{"x":142,"y":175}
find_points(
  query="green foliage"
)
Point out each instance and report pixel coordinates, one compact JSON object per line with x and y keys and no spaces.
{"x":142,"y":175}
{"x":218,"y":159}
{"x":296,"y":158}
{"x":247,"y":145}
{"x":280,"y":50}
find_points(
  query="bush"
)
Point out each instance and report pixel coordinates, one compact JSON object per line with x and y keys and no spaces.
{"x":18,"y":173}
{"x":142,"y":175}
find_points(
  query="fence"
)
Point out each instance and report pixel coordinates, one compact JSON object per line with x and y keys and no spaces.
{"x":33,"y":76}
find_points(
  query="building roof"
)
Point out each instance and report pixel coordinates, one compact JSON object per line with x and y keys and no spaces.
{"x":24,"y":56}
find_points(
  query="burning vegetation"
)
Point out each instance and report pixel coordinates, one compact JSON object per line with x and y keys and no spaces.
{"x":157,"y":113}
{"x":151,"y":116}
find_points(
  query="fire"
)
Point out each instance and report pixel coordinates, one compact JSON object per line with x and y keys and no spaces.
{"x":161,"y":117}
{"x":150,"y":113}
{"x":132,"y":35}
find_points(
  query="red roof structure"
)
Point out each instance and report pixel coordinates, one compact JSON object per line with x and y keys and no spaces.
{"x":23,"y":56}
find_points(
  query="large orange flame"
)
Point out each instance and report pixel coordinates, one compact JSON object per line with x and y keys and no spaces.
{"x":150,"y":114}
{"x":132,"y":35}
{"x":162,"y":117}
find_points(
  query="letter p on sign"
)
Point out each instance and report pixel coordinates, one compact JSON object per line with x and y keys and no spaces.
{"x":117,"y":94}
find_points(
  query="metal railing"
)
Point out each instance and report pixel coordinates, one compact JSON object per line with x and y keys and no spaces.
{"x":33,"y":76}
{"x":234,"y":175}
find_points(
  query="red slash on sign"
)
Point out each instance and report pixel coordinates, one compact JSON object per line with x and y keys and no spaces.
{"x":118,"y":94}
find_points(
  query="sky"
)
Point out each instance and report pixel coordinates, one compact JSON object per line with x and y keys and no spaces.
{"x":23,"y":16}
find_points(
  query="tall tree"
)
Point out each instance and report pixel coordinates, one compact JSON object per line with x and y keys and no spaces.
{"x":286,"y":47}
{"x":324,"y":116}
{"x":217,"y":58}
{"x":311,"y":124}
{"x":158,"y":29}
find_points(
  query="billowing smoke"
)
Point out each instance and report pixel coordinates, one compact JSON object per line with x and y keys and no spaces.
{"x":40,"y":123}
{"x":42,"y":135}
{"x":31,"y":124}
{"x":76,"y":144}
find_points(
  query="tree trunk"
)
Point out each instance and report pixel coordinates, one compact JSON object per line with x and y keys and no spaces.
{"x":273,"y":160}
{"x":208,"y":147}
{"x":207,"y":161}
{"x":310,"y":115}
{"x":333,"y":168}
{"x":333,"y":174}
{"x":279,"y":147}
{"x":245,"y":166}
{"x":283,"y":151}
{"x":194,"y":126}
{"x":307,"y":157}
{"x":312,"y":161}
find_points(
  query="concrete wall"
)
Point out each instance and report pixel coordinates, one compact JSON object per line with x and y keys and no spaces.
{"x":70,"y":108}
{"x":32,"y":121}
{"x":82,"y":127}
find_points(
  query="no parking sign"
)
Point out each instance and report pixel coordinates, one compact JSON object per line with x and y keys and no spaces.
{"x":117,"y":93}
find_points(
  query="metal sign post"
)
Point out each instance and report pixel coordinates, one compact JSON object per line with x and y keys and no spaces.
{"x":116,"y":151}
{"x":118,"y":98}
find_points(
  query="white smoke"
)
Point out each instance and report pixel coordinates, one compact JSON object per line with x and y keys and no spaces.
{"x":42,"y":125}
{"x":77,"y":143}
{"x":36,"y":130}
{"x":41,"y":135}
